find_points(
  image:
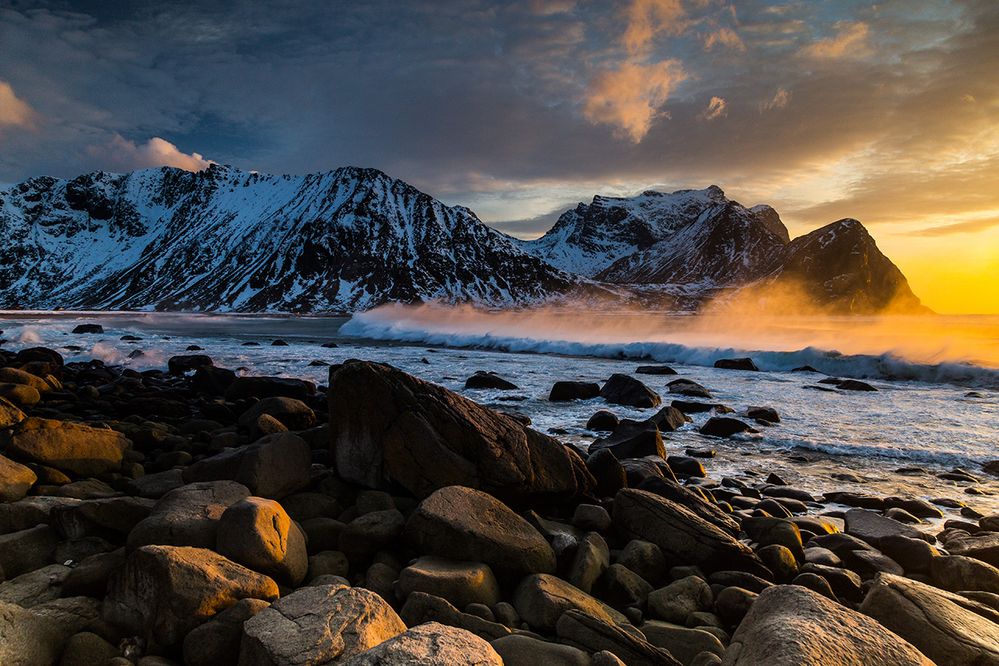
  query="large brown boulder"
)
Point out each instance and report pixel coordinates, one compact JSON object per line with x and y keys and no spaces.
{"x":946,"y":627}
{"x":325,"y":624}
{"x":258,"y":533}
{"x":36,"y":636}
{"x":789,"y":625}
{"x":388,"y":426}
{"x":10,"y":414}
{"x":683,"y":536}
{"x":73,"y":448}
{"x":15,"y":479}
{"x":467,"y":524}
{"x":163,"y":592}
{"x":541,"y":599}
{"x":430,"y":644}
{"x":188,"y":516}
{"x":271,"y":467}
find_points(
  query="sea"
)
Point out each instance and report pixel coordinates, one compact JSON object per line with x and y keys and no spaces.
{"x":936,"y":407}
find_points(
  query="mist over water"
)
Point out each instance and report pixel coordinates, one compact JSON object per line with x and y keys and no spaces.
{"x":932,"y":348}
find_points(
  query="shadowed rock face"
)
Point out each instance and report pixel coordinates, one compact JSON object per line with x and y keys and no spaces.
{"x":390,"y":427}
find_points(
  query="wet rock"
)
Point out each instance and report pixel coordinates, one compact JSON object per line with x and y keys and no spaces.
{"x":607,"y":471}
{"x":689,"y":388}
{"x":736,"y":364}
{"x":272,"y":467}
{"x":82,"y":329}
{"x":946,"y":627}
{"x":632,"y":439}
{"x":315,"y":625}
{"x":432,"y":644}
{"x":724,"y":426}
{"x":854,"y":385}
{"x":602,"y":421}
{"x":779,"y":531}
{"x":680,"y":534}
{"x":917,"y":507}
{"x":790,"y":625}
{"x":654,"y":370}
{"x":566,"y":391}
{"x":690,"y":407}
{"x":489,"y":380}
{"x":685,"y":466}
{"x":69,"y":447}
{"x":768,"y":414}
{"x":913,"y":555}
{"x":163,"y":592}
{"x":388,"y":425}
{"x":188,"y":516}
{"x":15,"y":479}
{"x":780,"y":560}
{"x":269,"y":387}
{"x":467,"y":524}
{"x":179,"y":365}
{"x":259,"y":534}
{"x":594,"y":634}
{"x":212,"y":380}
{"x":669,"y":419}
{"x":623,"y":389}
{"x":461,"y":583}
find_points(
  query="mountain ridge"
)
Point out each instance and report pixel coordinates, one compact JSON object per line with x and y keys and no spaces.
{"x":352,"y":238}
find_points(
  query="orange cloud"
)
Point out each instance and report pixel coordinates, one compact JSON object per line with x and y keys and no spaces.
{"x":629,"y":97}
{"x":724,"y":37}
{"x":717,"y":108}
{"x":648,"y":18}
{"x":14,"y":111}
{"x":780,"y":100}
{"x":153,"y":153}
{"x":850,"y":40}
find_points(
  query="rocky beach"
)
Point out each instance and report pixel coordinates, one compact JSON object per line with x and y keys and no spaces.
{"x":191,"y":513}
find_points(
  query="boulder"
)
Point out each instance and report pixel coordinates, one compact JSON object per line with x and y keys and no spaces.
{"x":736,"y":364}
{"x":430,"y":644}
{"x":958,"y":573}
{"x":523,"y":650}
{"x":188,"y":516}
{"x":668,"y":419}
{"x":163,"y":592}
{"x":10,"y":414}
{"x":489,"y":380}
{"x":421,"y":607}
{"x":390,"y":427}
{"x":216,"y":642}
{"x":541,"y":599}
{"x":768,"y":414}
{"x":258,"y":534}
{"x":590,"y":561}
{"x":178,"y":365}
{"x":324,"y":624}
{"x":682,"y":642}
{"x":461,"y":583}
{"x":872,"y":527}
{"x":81,"y":329}
{"x":689,"y":388}
{"x":268,"y":387}
{"x":371,"y":532}
{"x":467,"y":524}
{"x":272,"y":467}
{"x":626,"y":390}
{"x":682,"y":536}
{"x":291,"y":413}
{"x":603,"y":421}
{"x":27,"y":550}
{"x":724,"y":426}
{"x":947,"y":628}
{"x":566,"y":391}
{"x":632,"y":439}
{"x":89,"y":578}
{"x":15,"y":479}
{"x":69,"y":447}
{"x":854,"y":385}
{"x":86,"y":649}
{"x":594,"y":634}
{"x":607,"y":471}
{"x":37,"y":636}
{"x":681,"y":598}
{"x":790,"y":625}
{"x":984,"y":547}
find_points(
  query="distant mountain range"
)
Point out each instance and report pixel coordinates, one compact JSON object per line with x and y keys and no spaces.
{"x":349,"y":239}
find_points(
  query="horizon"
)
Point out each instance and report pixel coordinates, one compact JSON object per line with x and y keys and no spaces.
{"x":884,"y":113}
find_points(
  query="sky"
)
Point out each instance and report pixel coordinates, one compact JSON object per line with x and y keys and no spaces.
{"x":887,"y":112}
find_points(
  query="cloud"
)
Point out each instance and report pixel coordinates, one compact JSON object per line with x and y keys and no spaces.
{"x":849,"y":41}
{"x":647,"y":18}
{"x":126,"y":155}
{"x":780,"y":100}
{"x":970,"y":226}
{"x":717,"y":108}
{"x":724,"y":37}
{"x":629,"y":97}
{"x":14,"y":112}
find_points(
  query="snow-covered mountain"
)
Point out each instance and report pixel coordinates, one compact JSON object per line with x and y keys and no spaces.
{"x":228,"y":240}
{"x":691,"y":244}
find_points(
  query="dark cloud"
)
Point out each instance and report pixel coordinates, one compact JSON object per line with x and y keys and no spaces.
{"x":884,"y":112}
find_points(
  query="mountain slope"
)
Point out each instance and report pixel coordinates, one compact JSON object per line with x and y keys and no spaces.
{"x":227,"y":240}
{"x":685,"y":237}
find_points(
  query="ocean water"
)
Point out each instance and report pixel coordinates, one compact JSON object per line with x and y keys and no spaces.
{"x":937,"y":404}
